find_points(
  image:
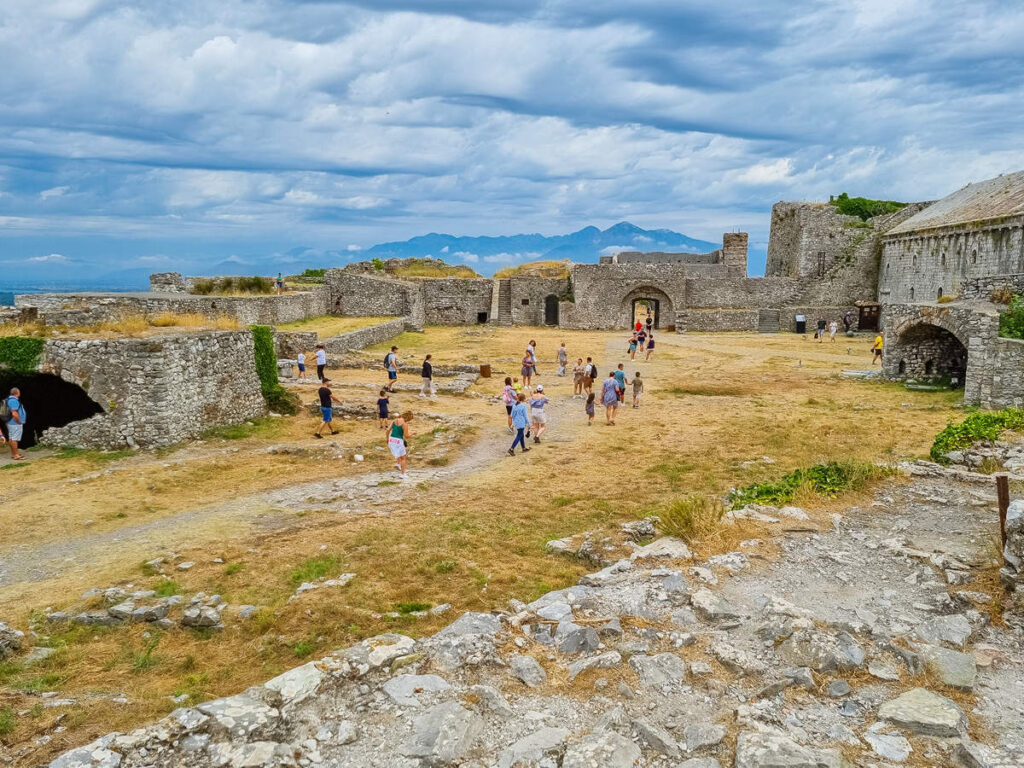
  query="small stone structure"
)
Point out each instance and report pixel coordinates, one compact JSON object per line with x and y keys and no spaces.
{"x":156,"y":391}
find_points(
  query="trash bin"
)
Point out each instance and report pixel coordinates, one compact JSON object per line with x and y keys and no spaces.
{"x":801,"y":324}
{"x":485,"y":371}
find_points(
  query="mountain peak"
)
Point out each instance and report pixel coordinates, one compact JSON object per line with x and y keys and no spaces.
{"x":624,"y":228}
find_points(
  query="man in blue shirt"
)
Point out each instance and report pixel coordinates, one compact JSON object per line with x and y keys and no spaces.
{"x":520,"y":420}
{"x":620,"y":382}
{"x":16,"y":426}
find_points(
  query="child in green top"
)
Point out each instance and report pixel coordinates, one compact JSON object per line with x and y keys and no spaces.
{"x":638,"y":389}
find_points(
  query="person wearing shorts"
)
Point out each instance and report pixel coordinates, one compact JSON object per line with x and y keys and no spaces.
{"x":301,"y":362}
{"x":578,"y":374}
{"x":620,"y":382}
{"x":383,"y":404}
{"x":589,"y":376}
{"x":650,"y":347}
{"x":321,"y":361}
{"x":398,"y":442}
{"x":509,"y":396}
{"x":327,"y":400}
{"x":16,"y":425}
{"x":538,"y":417}
{"x":391,"y":366}
{"x":638,"y":389}
{"x":877,"y":349}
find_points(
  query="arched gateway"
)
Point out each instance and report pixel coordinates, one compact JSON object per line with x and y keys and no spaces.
{"x":927,"y":347}
{"x":638,"y":301}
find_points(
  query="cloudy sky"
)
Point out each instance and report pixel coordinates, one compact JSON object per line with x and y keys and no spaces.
{"x":150,"y":135}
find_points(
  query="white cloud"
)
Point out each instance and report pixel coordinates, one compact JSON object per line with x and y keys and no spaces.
{"x":50,"y":258}
{"x":466,"y":256}
{"x":46,"y":194}
{"x":353,"y":247}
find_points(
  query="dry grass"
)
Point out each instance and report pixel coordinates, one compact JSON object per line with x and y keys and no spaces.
{"x":474,"y":540}
{"x":330,"y":325}
{"x":132,"y":325}
{"x":559,"y":269}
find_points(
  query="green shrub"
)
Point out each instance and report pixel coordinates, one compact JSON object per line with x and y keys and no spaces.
{"x":984,"y":425}
{"x":278,"y":398}
{"x":1011,"y":322}
{"x":207,"y":285}
{"x":828,"y":479}
{"x":7,"y":720}
{"x":378,"y":264}
{"x":20,"y":353}
{"x":692,"y":517}
{"x":412,"y":607}
{"x":167,"y":588}
{"x":865,"y":208}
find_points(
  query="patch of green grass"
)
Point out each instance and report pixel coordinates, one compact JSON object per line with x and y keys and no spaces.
{"x":706,"y":390}
{"x":412,"y":607}
{"x":312,"y":569}
{"x":232,"y":568}
{"x":303,"y":648}
{"x":562,"y":501}
{"x":194,"y":686}
{"x":48,"y":682}
{"x":145,"y":660}
{"x":168,"y":587}
{"x":983,"y":425}
{"x":692,"y":517}
{"x":14,"y":465}
{"x":865,"y":208}
{"x":445,"y":566}
{"x":829,"y":479}
{"x":266,"y":426}
{"x":673,"y":471}
{"x":7,"y":721}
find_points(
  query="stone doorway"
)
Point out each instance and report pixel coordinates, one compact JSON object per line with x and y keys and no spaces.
{"x":49,"y":402}
{"x":642,"y":306}
{"x":930,"y":353}
{"x":551,"y":310}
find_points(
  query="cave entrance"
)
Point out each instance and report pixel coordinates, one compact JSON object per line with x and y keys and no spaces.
{"x":49,"y":402}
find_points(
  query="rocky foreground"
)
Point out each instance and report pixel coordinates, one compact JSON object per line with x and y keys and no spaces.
{"x":870,"y":644}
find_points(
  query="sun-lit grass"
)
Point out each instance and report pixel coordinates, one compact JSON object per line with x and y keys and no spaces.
{"x":536,"y":269}
{"x":327,"y":326}
{"x":129,"y":325}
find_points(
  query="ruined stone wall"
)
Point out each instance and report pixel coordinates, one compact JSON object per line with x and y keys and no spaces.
{"x":364,"y":337}
{"x":917,"y":266}
{"x":456,"y":301}
{"x":529,"y":295}
{"x":716,"y":320}
{"x":288,"y":344}
{"x":156,"y":391}
{"x":166,"y":282}
{"x":982,"y":288}
{"x":660,"y":257}
{"x":354,"y":294}
{"x":603,"y":292}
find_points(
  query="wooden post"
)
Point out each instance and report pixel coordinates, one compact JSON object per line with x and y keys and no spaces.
{"x":1003,"y":494}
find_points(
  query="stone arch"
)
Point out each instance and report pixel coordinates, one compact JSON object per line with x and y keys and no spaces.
{"x":660,"y":303}
{"x":928,"y":347}
{"x":49,"y":401}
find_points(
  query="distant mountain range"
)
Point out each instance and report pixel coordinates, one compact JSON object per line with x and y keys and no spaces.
{"x":585,"y":245}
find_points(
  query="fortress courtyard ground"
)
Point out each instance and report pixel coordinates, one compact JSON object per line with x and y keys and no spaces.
{"x":262,"y":508}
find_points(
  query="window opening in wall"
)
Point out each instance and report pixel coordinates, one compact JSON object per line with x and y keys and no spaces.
{"x":903,"y":367}
{"x":526,"y":302}
{"x":481,"y":317}
{"x":913,"y":261}
{"x":943,"y":258}
{"x":911,"y":294}
{"x":821,"y":263}
{"x":940,"y":294}
{"x":974,"y":256}
{"x":929,"y":367}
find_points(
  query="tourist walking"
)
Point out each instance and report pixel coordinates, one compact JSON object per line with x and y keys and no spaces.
{"x":832,"y":328}
{"x":327,"y":400}
{"x":821,"y":330}
{"x":641,"y":340}
{"x":649,"y":322}
{"x":538,"y":417}
{"x":510,"y":397}
{"x":590,"y":376}
{"x":589,"y":409}
{"x":847,"y":321}
{"x":876,"y":349}
{"x":383,"y":405}
{"x":280,"y":283}
{"x":527,"y":370}
{"x":632,"y":347}
{"x":610,"y":399}
{"x":301,"y":362}
{"x":391,"y":366}
{"x":13,"y":415}
{"x":520,"y":420}
{"x":398,"y":442}
{"x":427,"y":373}
{"x":563,"y":359}
{"x":620,"y":381}
{"x":650,"y":347}
{"x":578,"y":372}
{"x":532,"y":348}
{"x":321,"y":362}
{"x":638,"y":389}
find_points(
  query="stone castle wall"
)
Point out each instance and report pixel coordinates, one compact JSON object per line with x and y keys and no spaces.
{"x":661,"y":257}
{"x":156,"y":391}
{"x":917,"y":266}
{"x":456,"y":301}
{"x":363,"y":337}
{"x":355,"y":294}
{"x":982,"y":288}
{"x":529,"y":295}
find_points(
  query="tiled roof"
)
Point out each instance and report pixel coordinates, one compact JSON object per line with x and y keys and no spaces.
{"x":989,"y":199}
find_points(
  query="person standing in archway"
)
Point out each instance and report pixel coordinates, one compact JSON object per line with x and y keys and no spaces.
{"x":649,"y":322}
{"x":15,"y":420}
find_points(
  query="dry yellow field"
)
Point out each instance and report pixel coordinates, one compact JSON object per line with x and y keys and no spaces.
{"x":468,"y":529}
{"x":331,"y":325}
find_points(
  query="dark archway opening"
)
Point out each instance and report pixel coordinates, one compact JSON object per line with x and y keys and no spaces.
{"x":641,"y":307}
{"x":551,"y":310}
{"x":49,"y":402}
{"x":933,"y":354}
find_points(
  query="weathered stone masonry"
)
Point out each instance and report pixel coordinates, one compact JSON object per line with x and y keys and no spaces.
{"x":156,"y":391}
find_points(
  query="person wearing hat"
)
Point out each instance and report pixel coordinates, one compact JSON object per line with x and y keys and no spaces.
{"x":537,"y":416}
{"x":327,"y":400}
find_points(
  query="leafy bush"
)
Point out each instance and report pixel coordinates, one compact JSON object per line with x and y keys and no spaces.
{"x":692,"y":517}
{"x":21,"y":353}
{"x":1011,"y":322}
{"x":865,"y":208}
{"x":254,"y":284}
{"x":278,"y":398}
{"x":378,"y":264}
{"x":828,"y":479}
{"x":7,"y":720}
{"x":984,"y":425}
{"x":313,"y":273}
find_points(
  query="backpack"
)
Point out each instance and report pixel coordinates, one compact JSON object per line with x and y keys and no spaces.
{"x":387,"y":360}
{"x":5,"y":410}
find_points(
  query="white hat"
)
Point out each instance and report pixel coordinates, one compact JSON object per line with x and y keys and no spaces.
{"x":540,"y":387}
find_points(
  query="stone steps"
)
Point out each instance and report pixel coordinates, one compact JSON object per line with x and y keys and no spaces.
{"x":504,"y":302}
{"x":768,"y":320}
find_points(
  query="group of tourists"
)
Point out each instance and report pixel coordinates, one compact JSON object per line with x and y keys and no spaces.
{"x":831,"y":327}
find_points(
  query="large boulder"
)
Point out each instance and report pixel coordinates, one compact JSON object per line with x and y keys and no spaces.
{"x":10,"y":640}
{"x":772,"y":750}
{"x":921,"y":711}
{"x":443,"y":734}
{"x":606,"y":749}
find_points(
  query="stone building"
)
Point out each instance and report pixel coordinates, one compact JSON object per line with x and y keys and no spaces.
{"x":945,"y":274}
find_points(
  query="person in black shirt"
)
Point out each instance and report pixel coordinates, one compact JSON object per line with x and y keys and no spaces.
{"x":428,"y":378}
{"x":382,"y":408}
{"x":327,"y":400}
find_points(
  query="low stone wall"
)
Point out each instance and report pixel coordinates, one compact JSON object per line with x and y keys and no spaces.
{"x":982,"y":287}
{"x":290,"y":343}
{"x":716,"y":320}
{"x":166,"y":282}
{"x":1002,"y":381}
{"x":156,"y":391}
{"x":365,"y":337}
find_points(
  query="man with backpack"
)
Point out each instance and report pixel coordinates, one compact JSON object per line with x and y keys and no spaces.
{"x":391,"y":366}
{"x":13,"y":414}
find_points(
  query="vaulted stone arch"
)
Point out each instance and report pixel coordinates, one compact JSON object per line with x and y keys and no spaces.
{"x":660,"y":303}
{"x":930,"y":345}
